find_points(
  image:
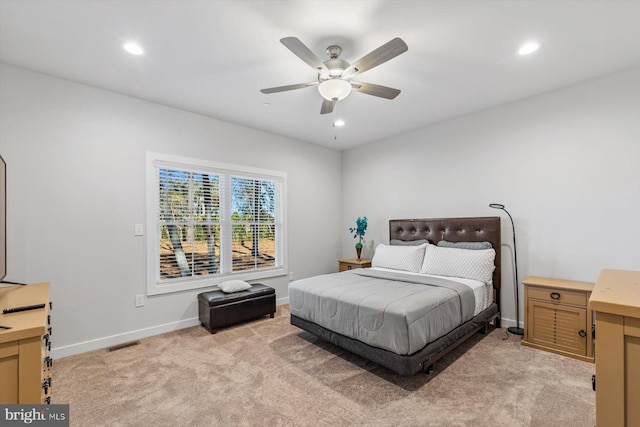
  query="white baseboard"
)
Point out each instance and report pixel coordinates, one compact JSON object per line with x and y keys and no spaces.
{"x":105,"y":342}
{"x":507,"y":323}
{"x":83,"y":347}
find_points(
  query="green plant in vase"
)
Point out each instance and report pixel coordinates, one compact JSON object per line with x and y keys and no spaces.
{"x":358,"y":231}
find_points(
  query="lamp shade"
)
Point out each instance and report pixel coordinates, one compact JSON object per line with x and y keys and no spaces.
{"x":334,"y":89}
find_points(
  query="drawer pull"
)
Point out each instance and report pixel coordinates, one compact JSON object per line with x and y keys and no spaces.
{"x":46,"y":384}
{"x":554,"y":295}
{"x":582,"y":333}
{"x":349,"y":267}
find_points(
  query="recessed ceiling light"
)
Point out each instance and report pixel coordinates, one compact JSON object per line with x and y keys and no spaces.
{"x":133,"y":48}
{"x":266,"y":105}
{"x":528,"y":48}
{"x":339,"y":123}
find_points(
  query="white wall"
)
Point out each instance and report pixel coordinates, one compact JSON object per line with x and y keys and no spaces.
{"x":76,"y":186}
{"x":565,"y":164}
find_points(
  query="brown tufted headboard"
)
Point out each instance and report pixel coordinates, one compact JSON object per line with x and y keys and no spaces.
{"x":477,"y":229}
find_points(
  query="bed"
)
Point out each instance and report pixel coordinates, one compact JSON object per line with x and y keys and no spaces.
{"x":407,"y":311}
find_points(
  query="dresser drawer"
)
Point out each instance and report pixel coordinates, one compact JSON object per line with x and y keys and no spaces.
{"x":9,"y":349}
{"x":558,"y":295}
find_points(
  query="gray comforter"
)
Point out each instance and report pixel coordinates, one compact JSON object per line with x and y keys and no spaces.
{"x":394,"y":311}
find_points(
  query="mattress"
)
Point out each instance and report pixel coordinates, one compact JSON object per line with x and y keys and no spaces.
{"x":483,"y":291}
{"x":395,"y":311}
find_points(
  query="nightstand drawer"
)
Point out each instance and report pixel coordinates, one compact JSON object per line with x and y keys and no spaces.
{"x":351,"y":263}
{"x":558,"y":295}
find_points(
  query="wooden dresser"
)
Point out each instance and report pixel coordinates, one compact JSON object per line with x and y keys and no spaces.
{"x":25,"y":364}
{"x":557,"y":317}
{"x":616,"y":303}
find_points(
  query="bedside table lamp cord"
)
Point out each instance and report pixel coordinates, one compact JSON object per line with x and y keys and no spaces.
{"x":517,"y":330}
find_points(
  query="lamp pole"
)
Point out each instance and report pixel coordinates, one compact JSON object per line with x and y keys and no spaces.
{"x":517,"y":330}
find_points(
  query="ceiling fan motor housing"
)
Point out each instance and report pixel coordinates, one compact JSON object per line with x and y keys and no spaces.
{"x":336,"y":67}
{"x":334,"y":51}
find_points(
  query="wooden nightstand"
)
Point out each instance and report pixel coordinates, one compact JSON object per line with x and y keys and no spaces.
{"x":351,"y":263}
{"x":557,"y":317}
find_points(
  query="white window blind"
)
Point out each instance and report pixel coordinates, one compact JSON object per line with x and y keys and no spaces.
{"x":211,"y":221}
{"x":254,"y":222}
{"x":188,"y":223}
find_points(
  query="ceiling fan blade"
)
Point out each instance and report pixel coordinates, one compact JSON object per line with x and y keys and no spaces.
{"x":303,"y":52}
{"x":376,"y":57}
{"x":375,"y":90}
{"x":289,"y":87}
{"x":327,"y":106}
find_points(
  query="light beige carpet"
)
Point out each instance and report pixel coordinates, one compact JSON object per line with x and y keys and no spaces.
{"x":269,"y":373}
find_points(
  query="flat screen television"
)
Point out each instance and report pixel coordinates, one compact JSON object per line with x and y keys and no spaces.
{"x":3,"y":218}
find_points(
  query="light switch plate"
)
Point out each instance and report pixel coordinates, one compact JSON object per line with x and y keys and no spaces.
{"x":138,"y":230}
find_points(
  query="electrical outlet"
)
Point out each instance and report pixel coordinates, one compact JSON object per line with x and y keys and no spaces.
{"x":138,"y":230}
{"x":291,"y":276}
{"x":139,"y":300}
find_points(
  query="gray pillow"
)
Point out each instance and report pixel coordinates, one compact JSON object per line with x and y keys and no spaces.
{"x":465,"y":245}
{"x":396,"y":242}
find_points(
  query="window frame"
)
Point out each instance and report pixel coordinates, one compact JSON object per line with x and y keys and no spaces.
{"x":226,"y":171}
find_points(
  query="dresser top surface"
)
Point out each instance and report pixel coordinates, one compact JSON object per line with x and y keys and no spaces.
{"x":617,"y":292}
{"x":23,"y":324}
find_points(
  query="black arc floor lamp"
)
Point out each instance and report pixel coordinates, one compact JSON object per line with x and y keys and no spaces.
{"x":517,"y":330}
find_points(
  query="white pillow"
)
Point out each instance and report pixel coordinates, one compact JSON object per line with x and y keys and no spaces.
{"x":408,"y":258}
{"x":467,"y":263}
{"x":230,"y":286}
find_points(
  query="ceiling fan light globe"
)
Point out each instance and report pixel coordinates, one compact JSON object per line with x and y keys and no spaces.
{"x":334,"y":89}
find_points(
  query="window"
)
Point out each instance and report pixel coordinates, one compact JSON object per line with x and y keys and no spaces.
{"x":208,"y":221}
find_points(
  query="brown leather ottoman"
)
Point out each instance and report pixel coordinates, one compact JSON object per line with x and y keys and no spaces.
{"x":217,"y":309}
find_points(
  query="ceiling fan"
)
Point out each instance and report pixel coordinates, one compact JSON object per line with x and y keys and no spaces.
{"x":334,"y":75}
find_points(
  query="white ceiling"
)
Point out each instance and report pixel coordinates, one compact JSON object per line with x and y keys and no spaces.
{"x":212,"y":57}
